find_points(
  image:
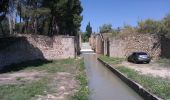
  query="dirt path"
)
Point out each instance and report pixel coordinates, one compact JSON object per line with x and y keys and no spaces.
{"x":20,"y":77}
{"x":153,"y":69}
{"x":63,"y":86}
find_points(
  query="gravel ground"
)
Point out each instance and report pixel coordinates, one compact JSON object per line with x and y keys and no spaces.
{"x":152,"y":68}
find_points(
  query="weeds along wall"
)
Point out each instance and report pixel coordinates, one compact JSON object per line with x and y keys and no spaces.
{"x":32,"y":47}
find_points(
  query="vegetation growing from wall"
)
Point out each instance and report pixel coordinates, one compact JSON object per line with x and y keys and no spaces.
{"x":106,"y":28}
{"x":148,"y":26}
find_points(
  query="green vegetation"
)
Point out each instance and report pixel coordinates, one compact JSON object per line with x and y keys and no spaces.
{"x":148,"y":26}
{"x":112,"y":60}
{"x":105,"y":28}
{"x":24,"y":91}
{"x":158,"y":86}
{"x":164,"y":62}
{"x":3,"y":12}
{"x":83,"y":92}
{"x":87,"y":34}
{"x":41,"y":16}
{"x":28,"y":90}
{"x":65,"y":65}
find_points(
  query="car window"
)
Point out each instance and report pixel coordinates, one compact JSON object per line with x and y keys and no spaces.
{"x":134,"y":54}
{"x":142,"y":53}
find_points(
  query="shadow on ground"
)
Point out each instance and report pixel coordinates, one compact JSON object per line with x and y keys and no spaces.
{"x":23,"y":65}
{"x":17,"y":53}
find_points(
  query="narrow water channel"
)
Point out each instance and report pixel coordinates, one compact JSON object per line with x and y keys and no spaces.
{"x":104,"y":85}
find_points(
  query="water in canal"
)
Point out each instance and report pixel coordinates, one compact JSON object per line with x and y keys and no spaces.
{"x":104,"y":85}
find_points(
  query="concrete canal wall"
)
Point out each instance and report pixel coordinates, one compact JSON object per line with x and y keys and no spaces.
{"x":135,"y":86}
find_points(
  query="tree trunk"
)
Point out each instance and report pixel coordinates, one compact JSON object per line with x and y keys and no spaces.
{"x":36,"y":25}
{"x":50,"y":32}
{"x":20,"y":16}
{"x":3,"y":33}
{"x":10,"y":24}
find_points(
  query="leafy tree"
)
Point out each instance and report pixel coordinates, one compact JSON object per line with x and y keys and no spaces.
{"x":106,"y":28}
{"x":3,"y":12}
{"x":44,"y":16}
{"x":150,"y":26}
{"x":84,"y":36}
{"x":88,"y":30}
{"x":166,"y":28}
{"x":3,"y":8}
{"x":65,"y":16}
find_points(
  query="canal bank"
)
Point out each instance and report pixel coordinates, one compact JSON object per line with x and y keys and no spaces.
{"x":103,"y":84}
{"x":135,"y":86}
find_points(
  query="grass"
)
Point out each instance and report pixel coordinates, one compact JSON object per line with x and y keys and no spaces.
{"x":42,"y":65}
{"x":26,"y":91}
{"x":156,"y":85}
{"x":112,"y":60}
{"x":164,"y":62}
{"x":64,"y":65}
{"x":83,"y":92}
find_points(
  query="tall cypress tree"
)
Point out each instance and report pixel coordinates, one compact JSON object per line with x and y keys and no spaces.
{"x":88,"y":30}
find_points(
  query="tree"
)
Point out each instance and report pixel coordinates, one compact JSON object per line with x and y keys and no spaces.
{"x":88,"y":30}
{"x":150,"y":26}
{"x":166,"y":23}
{"x":106,"y":28}
{"x":11,"y":15}
{"x":55,"y":17}
{"x":3,"y":8}
{"x":65,"y":16}
{"x":34,"y":15}
{"x":3,"y":12}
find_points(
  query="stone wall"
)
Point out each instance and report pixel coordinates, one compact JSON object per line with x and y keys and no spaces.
{"x":92,"y":41}
{"x":97,"y":43}
{"x":122,"y":47}
{"x":32,"y":47}
{"x":165,"y":47}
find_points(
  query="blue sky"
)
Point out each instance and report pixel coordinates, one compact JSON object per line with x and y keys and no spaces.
{"x":120,"y":12}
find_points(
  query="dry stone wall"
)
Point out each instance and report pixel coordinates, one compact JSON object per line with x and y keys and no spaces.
{"x":92,"y":41}
{"x":122,"y":47}
{"x":32,"y":47}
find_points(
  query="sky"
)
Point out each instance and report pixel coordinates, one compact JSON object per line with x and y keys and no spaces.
{"x":120,"y":12}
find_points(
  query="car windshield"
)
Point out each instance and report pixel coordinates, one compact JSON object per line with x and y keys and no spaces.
{"x":141,"y":53}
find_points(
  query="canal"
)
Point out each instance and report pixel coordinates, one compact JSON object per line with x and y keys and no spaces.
{"x":103,"y":84}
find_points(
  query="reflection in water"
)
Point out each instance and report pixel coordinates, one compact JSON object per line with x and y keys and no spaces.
{"x":104,"y":85}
